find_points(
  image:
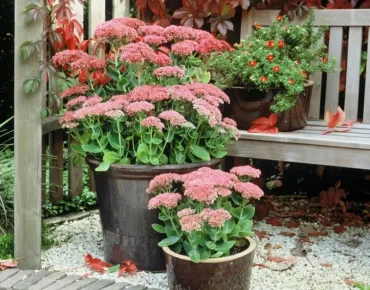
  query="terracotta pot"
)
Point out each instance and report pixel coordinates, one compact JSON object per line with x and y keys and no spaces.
{"x":125,"y":218}
{"x":227,"y":273}
{"x":249,"y":104}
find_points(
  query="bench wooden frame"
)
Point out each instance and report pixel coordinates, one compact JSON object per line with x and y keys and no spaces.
{"x":309,"y":145}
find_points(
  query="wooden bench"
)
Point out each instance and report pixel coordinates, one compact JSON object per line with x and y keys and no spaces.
{"x":349,"y":149}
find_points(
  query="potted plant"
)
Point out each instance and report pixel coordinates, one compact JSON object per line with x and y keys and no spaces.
{"x":207,"y":217}
{"x":268,"y":72}
{"x":141,"y":109}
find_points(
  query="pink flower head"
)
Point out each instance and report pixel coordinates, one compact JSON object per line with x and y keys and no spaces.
{"x":209,"y":92}
{"x":186,"y":47}
{"x":139,"y":107}
{"x":191,"y":223}
{"x":138,"y":52}
{"x":153,"y":93}
{"x":163,"y":182}
{"x":75,"y":91}
{"x":88,"y":62}
{"x":215,"y":177}
{"x":215,"y":218}
{"x":68,"y":117}
{"x":121,"y":99}
{"x":175,"y":118}
{"x":151,"y":30}
{"x":76,"y":101}
{"x":246,"y":171}
{"x":209,"y":45}
{"x":65,"y":57}
{"x":201,"y":190}
{"x":169,"y":71}
{"x":162,"y":59}
{"x":248,"y":190}
{"x":223,"y":192}
{"x":167,"y":200}
{"x":202,"y":34}
{"x":230,"y":122}
{"x":175,"y":32}
{"x":97,"y":110}
{"x":212,"y":113}
{"x":152,"y":122}
{"x":154,"y":40}
{"x":186,"y":212}
{"x":115,"y":29}
{"x":114,"y":114}
{"x":179,"y":92}
{"x":130,"y":22}
{"x":91,"y":101}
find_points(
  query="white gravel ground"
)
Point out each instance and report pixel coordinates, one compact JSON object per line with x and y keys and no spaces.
{"x":349,"y":254}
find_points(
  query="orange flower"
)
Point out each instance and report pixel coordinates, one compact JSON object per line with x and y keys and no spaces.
{"x":325,"y":60}
{"x":297,"y":62}
{"x":281,"y":43}
{"x":279,"y":18}
{"x":270,"y":57}
{"x":270,"y":43}
{"x":256,"y":25}
{"x":276,"y":68}
{"x":291,"y":82}
{"x":252,"y":63}
{"x":263,"y":79}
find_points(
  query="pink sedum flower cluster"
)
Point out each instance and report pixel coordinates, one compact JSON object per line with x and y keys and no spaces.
{"x":169,"y":71}
{"x":115,"y":29}
{"x":215,"y":218}
{"x":246,"y":171}
{"x":153,"y":122}
{"x":191,"y":223}
{"x":162,"y":182}
{"x":75,"y":91}
{"x":248,"y":190}
{"x":167,"y":200}
{"x":173,"y":117}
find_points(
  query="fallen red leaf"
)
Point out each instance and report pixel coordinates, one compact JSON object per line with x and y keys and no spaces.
{"x":128,"y":267}
{"x":264,"y":125}
{"x":304,"y":240}
{"x":274,"y":221}
{"x":333,"y":121}
{"x":287,"y":234}
{"x":325,"y":265}
{"x":339,"y":229}
{"x":96,"y":264}
{"x":277,"y":246}
{"x":86,"y":275}
{"x":261,"y":266}
{"x":349,"y":282}
{"x":5,"y":264}
{"x":292,"y":224}
{"x":272,"y":258}
{"x":261,"y":235}
{"x":317,"y":234}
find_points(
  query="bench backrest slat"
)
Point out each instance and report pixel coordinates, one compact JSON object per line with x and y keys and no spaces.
{"x":336,"y":19}
{"x":333,"y":79}
{"x":367,"y":85}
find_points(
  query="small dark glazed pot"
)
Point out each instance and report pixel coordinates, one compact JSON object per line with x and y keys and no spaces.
{"x":227,"y":273}
{"x":248,"y":105}
{"x":125,"y":218}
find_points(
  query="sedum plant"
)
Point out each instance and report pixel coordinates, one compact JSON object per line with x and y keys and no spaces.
{"x":281,"y":57}
{"x":145,"y":99}
{"x":207,"y":213}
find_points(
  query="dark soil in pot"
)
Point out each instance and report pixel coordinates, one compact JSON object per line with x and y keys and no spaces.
{"x":248,"y":105}
{"x":227,"y":273}
{"x":125,"y":218}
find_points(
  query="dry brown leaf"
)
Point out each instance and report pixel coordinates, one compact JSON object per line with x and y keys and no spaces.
{"x":325,"y":265}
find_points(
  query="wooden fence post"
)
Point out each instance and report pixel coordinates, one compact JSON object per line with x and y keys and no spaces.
{"x":121,"y":8}
{"x":28,"y":137}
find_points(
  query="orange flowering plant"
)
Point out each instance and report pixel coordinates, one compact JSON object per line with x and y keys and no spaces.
{"x":280,"y":56}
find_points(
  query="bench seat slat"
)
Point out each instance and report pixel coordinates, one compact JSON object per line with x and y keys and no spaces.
{"x":367,"y":85}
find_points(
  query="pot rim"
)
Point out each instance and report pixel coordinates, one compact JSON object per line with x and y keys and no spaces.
{"x":251,"y":248}
{"x":116,"y":166}
{"x":308,"y":83}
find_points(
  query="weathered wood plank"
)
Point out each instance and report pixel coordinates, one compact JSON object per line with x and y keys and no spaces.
{"x":92,"y":186}
{"x":121,"y":8}
{"x":335,"y":17}
{"x":353,"y":73}
{"x":31,"y":280}
{"x":43,"y":168}
{"x":96,"y":15}
{"x":302,"y":153}
{"x":333,"y":79}
{"x":136,"y":287}
{"x":101,"y":284}
{"x":366,"y":116}
{"x":78,"y":9}
{"x":56,"y":166}
{"x":316,"y":140}
{"x":321,"y":123}
{"x":246,"y":24}
{"x":314,"y":110}
{"x":47,"y":281}
{"x":75,"y":173}
{"x":336,"y":135}
{"x":50,"y":124}
{"x":60,"y":284}
{"x":80,"y":284}
{"x":12,"y":280}
{"x":8,"y":273}
{"x":27,"y":138}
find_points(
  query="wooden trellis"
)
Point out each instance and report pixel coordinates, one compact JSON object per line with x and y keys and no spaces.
{"x":30,"y":129}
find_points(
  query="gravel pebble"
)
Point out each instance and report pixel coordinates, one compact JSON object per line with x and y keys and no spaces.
{"x":349,"y":254}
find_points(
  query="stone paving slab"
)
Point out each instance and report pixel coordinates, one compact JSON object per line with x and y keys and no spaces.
{"x":15,"y":279}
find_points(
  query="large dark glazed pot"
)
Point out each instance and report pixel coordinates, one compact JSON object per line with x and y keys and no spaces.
{"x":125,"y":218}
{"x":248,"y":105}
{"x":227,"y":273}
